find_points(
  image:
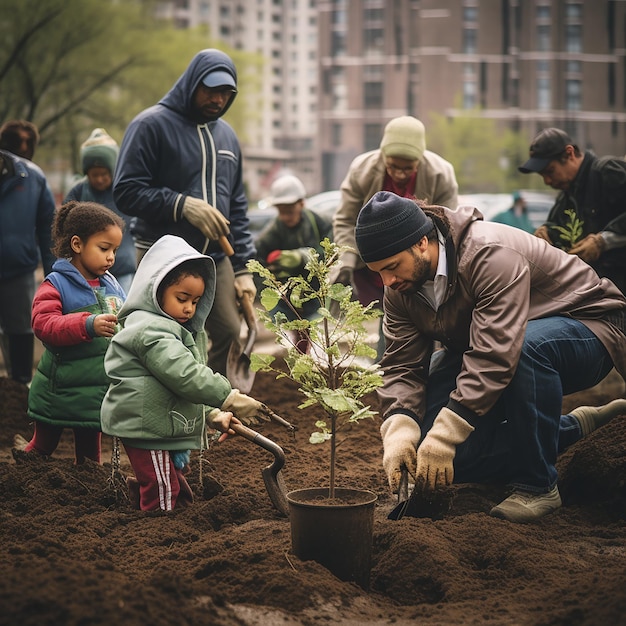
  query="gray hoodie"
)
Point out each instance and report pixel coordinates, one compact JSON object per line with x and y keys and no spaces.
{"x":160,"y":383}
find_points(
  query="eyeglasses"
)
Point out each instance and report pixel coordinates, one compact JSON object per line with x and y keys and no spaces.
{"x":407,"y":171}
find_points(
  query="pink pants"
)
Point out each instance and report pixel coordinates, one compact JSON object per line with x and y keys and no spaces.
{"x":161,"y":485}
{"x":87,"y":441}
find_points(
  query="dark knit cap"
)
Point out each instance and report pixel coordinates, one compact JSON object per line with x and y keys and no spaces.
{"x":388,"y":225}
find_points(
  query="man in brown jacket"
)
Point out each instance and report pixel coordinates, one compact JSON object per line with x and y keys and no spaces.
{"x":521,"y":322}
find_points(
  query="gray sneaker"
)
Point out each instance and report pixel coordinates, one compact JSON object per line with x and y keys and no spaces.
{"x":591,"y":418}
{"x":523,"y":506}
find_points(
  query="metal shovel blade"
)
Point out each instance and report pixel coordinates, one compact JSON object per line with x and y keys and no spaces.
{"x":272,"y":477}
{"x":238,"y":369}
{"x":418,"y":504}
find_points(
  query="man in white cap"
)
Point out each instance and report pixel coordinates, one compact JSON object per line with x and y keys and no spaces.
{"x":402,"y":165}
{"x":180,"y":172}
{"x":521,"y":322}
{"x":284,"y":244}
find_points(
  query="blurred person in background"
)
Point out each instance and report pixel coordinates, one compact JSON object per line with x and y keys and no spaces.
{"x":283,"y":246}
{"x":19,"y":137}
{"x":516,"y":215}
{"x":26,"y":212}
{"x":404,"y":166}
{"x":98,"y":156}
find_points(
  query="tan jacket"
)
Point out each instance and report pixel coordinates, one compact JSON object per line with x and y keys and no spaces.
{"x":435,"y":184}
{"x":498,"y":278}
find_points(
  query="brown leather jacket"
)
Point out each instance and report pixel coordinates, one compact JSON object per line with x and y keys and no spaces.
{"x":499,"y":278}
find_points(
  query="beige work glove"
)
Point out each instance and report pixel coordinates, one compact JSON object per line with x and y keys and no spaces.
{"x":436,"y":453}
{"x":205,"y":218}
{"x":244,"y":284}
{"x":248,"y":410}
{"x":590,"y":248}
{"x":401,"y":435}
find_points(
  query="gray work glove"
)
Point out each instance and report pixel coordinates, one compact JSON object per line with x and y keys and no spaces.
{"x":246,"y":409}
{"x":435,"y":456}
{"x":244,"y":285}
{"x":205,"y":218}
{"x":401,"y":435}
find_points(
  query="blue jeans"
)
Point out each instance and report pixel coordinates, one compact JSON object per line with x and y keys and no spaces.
{"x":517,"y":441}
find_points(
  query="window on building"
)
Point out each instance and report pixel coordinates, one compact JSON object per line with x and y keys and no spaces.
{"x":338,"y":45}
{"x":339,"y":95}
{"x":573,"y":38}
{"x":470,"y":14}
{"x":611,"y":85}
{"x":543,"y":13}
{"x":339,"y":16}
{"x":573,"y":67}
{"x":469,"y":40}
{"x":544,"y":95}
{"x":470,"y":85}
{"x":373,"y":41}
{"x":373,"y":15}
{"x":543,"y":37}
{"x":336,"y":134}
{"x":470,"y":90}
{"x":371,"y":136}
{"x":573,"y":95}
{"x":372,"y":95}
{"x":573,"y":11}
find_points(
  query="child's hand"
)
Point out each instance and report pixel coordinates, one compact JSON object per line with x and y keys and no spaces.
{"x":105,"y":325}
{"x":221,"y":420}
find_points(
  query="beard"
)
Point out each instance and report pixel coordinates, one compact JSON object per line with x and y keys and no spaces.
{"x":420,"y":274}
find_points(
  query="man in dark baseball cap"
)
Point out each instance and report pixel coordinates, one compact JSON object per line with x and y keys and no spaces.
{"x":588,"y":218}
{"x":548,"y":145}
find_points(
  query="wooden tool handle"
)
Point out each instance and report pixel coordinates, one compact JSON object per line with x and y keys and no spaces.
{"x":226,"y":247}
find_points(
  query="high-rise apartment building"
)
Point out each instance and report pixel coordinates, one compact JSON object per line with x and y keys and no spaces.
{"x":282,"y":133}
{"x":335,"y":71}
{"x":527,"y":64}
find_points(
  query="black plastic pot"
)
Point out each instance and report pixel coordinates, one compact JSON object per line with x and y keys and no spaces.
{"x":336,"y":535}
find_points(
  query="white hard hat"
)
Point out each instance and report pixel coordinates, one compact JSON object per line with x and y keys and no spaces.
{"x":286,"y":189}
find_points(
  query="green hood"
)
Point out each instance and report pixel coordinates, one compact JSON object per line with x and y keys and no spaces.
{"x":165,"y":254}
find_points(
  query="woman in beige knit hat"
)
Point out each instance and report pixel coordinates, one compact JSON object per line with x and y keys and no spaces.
{"x":402,"y":165}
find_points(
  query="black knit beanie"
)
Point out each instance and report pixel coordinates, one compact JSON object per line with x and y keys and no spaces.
{"x":389,"y":224}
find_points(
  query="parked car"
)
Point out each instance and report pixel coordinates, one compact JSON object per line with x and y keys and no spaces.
{"x":324,"y":203}
{"x":538,"y":204}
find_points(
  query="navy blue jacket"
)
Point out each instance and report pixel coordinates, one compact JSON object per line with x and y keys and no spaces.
{"x":26,"y":214}
{"x":167,"y":154}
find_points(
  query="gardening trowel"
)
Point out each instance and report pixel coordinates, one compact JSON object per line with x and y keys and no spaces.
{"x":418,"y":504}
{"x":238,"y":369}
{"x":272,"y":477}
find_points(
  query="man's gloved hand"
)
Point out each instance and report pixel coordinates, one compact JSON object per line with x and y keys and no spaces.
{"x":180,"y":458}
{"x":205,"y":218}
{"x":590,"y":248}
{"x":248,"y":410}
{"x":436,"y":453}
{"x":400,"y":434}
{"x":285,"y":259}
{"x":244,"y":284}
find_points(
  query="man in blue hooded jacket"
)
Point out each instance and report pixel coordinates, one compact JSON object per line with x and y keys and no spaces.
{"x":180,"y":172}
